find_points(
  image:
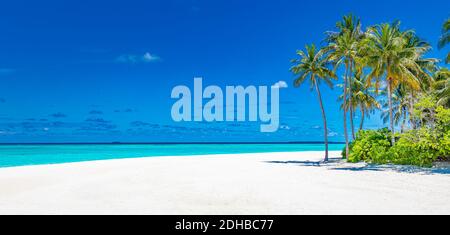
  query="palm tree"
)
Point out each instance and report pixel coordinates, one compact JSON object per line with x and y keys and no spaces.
{"x":401,"y":107}
{"x":445,"y":38}
{"x":390,"y":57}
{"x":428,"y":66}
{"x":364,"y":97}
{"x":441,"y":87}
{"x":342,"y":49}
{"x":314,"y":67}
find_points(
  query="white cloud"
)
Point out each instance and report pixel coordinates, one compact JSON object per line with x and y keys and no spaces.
{"x":150,"y":58}
{"x":333,"y":134}
{"x":135,"y":59}
{"x":131,"y":59}
{"x":7,"y":133}
{"x":280,"y":85}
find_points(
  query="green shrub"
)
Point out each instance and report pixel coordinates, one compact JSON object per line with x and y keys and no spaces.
{"x":418,"y":147}
{"x":369,"y":146}
{"x":445,"y":147}
{"x":443,"y":119}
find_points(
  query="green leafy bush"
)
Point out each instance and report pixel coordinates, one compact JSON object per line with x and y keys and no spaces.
{"x":419,"y":147}
{"x":445,"y":146}
{"x":443,"y":119}
{"x":370,"y":146}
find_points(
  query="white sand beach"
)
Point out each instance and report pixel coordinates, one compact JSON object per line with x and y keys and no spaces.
{"x":269,"y":183}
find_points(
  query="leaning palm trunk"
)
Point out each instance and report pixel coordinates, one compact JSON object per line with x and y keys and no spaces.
{"x":351,"y":119}
{"x":312,"y":65}
{"x":347,"y":147}
{"x":325,"y":127}
{"x":411,"y":111}
{"x":363,"y":116}
{"x":350,"y":77}
{"x":403,"y":128}
{"x":391,"y":113}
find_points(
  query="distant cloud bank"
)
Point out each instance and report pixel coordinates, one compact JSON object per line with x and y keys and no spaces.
{"x":59,"y":115}
{"x":136,"y":59}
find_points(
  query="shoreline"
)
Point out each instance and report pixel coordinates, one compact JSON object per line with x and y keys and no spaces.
{"x":156,"y":157}
{"x":16,"y":156}
{"x":243,"y":184}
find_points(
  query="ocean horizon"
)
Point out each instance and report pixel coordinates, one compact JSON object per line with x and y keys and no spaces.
{"x":25,"y":154}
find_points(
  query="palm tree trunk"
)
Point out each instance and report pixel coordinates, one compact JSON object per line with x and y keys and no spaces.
{"x":324,"y":116}
{"x":391,"y":112}
{"x":351,"y":119}
{"x":350,"y":78}
{"x":404,"y":121}
{"x":347,"y":147}
{"x":363,"y":116}
{"x":411,"y":111}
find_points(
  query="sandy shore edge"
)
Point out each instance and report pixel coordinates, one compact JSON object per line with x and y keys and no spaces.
{"x":261,"y":183}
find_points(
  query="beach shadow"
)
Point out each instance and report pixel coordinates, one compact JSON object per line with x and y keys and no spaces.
{"x":307,"y":163}
{"x":338,"y":164}
{"x":394,"y":168}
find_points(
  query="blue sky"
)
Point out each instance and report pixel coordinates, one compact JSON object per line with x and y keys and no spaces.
{"x":102,"y":71}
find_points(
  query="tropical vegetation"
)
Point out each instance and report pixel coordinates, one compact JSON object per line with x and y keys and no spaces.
{"x":445,"y":38}
{"x":312,"y":66}
{"x":386,"y":72}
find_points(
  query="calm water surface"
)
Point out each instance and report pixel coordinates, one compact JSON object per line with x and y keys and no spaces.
{"x":22,"y":155}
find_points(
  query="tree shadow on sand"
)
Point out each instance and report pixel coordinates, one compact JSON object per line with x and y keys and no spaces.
{"x":338,"y":164}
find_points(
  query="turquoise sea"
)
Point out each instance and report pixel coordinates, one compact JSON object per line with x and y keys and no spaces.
{"x":23,"y":155}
